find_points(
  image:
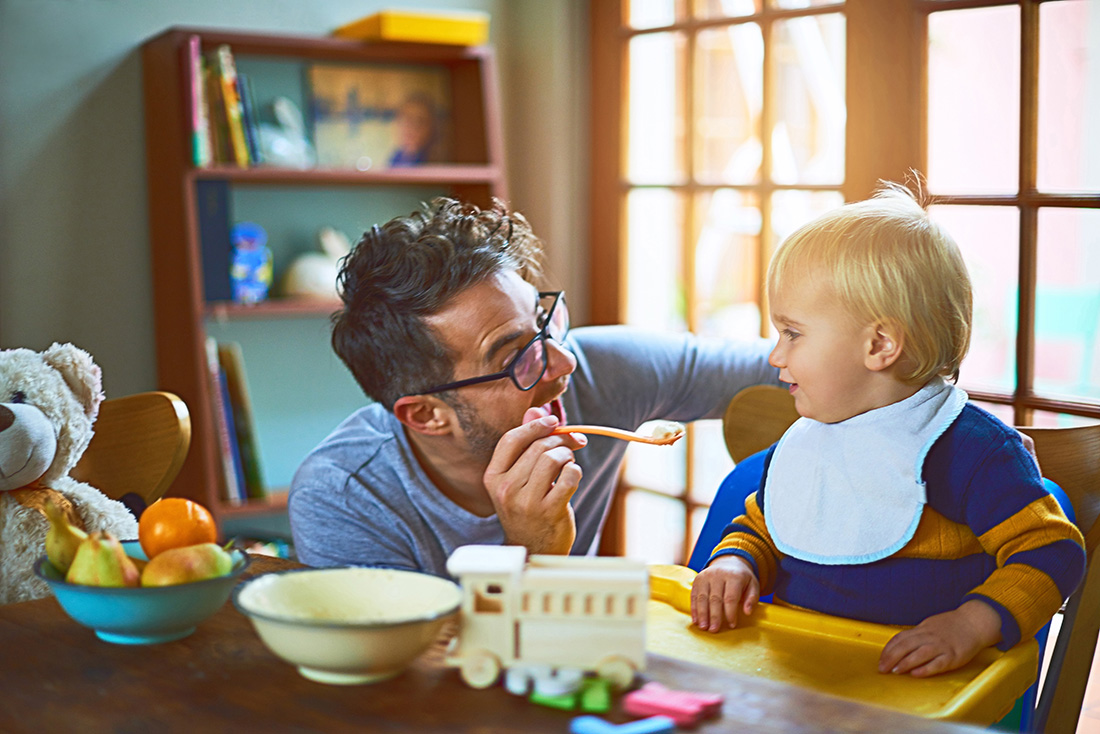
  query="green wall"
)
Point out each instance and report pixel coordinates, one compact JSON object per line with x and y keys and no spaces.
{"x":74,"y":244}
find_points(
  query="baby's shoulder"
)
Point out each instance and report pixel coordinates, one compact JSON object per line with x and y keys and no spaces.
{"x":977,"y":449}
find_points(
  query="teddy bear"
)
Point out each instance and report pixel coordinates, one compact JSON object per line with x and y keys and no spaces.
{"x":48,"y":403}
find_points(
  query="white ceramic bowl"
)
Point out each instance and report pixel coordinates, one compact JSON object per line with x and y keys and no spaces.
{"x":348,"y":625}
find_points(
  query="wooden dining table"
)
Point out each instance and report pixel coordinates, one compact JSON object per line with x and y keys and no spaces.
{"x":57,"y":676}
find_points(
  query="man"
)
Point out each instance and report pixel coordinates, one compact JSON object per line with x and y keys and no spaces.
{"x":471,"y":368}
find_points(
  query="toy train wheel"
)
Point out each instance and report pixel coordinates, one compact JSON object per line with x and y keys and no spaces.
{"x":616,"y":669}
{"x":480,"y":669}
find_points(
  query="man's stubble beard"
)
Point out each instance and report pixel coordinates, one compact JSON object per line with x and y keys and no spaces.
{"x":481,"y":437}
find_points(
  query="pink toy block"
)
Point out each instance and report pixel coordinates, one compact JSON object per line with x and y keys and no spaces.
{"x":686,"y":708}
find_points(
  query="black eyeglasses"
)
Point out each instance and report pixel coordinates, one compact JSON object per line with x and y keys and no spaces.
{"x":528,"y":367}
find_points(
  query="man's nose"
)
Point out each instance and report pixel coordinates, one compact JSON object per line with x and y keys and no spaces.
{"x":560,"y":361}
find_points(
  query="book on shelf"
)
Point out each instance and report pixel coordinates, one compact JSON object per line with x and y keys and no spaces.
{"x":212,"y":205}
{"x":249,"y":118}
{"x":231,"y":358}
{"x":231,"y":102}
{"x":201,"y":153}
{"x":218,"y":125}
{"x":231,"y":475}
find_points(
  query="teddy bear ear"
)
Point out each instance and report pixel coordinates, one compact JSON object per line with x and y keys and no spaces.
{"x":82,"y":375}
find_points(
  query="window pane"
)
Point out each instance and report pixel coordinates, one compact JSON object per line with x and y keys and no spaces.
{"x":974,"y":100}
{"x":710,"y":461}
{"x":698,"y":518}
{"x":654,"y":278}
{"x":1067,"y":303}
{"x":728,"y":97}
{"x":656,"y":13}
{"x":792,"y":209}
{"x":659,"y":468}
{"x":989,"y":238}
{"x":795,"y":4}
{"x":1045,"y":419}
{"x":726,"y":264}
{"x":1004,"y":412}
{"x":727,"y":8}
{"x":808,"y":136}
{"x":656,"y":109}
{"x":654,"y":528}
{"x":1069,"y":96}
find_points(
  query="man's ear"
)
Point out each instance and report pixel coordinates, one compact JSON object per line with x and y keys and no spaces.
{"x":424,"y":414}
{"x":885,"y":346}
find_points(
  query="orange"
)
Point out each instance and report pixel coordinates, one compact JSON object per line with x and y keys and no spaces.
{"x":175,"y":522}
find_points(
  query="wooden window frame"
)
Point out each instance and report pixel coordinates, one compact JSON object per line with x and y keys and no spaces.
{"x":885,"y":138}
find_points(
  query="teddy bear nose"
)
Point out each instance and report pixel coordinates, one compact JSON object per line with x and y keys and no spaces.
{"x":6,"y":418}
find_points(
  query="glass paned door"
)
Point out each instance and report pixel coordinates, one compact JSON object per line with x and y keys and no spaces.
{"x":735,"y":135}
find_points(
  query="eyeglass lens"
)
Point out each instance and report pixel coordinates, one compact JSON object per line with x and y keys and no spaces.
{"x":532,"y":363}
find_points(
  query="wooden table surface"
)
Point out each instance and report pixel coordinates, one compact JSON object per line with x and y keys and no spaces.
{"x":56,"y":676}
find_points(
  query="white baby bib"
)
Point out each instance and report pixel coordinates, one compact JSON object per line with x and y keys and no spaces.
{"x":852,"y":492}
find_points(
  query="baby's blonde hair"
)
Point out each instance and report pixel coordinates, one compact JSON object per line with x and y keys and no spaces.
{"x":885,"y":261}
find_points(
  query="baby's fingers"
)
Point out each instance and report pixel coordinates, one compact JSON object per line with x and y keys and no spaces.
{"x":700,"y":603}
{"x":912,"y":654}
{"x":899,"y":646}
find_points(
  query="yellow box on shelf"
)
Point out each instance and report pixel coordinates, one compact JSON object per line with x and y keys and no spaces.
{"x":833,"y":655}
{"x":455,"y":28}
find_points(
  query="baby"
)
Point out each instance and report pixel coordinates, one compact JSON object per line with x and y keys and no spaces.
{"x":892,"y":499}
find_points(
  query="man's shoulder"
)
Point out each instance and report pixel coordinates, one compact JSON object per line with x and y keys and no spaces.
{"x":367,"y":435}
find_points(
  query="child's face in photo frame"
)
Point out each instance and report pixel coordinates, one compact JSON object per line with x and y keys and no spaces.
{"x":821,"y":352}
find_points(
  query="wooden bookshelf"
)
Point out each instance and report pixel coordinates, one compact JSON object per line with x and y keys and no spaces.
{"x":475,"y":172}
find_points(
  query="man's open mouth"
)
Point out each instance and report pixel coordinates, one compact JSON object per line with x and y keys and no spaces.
{"x":554,"y":408}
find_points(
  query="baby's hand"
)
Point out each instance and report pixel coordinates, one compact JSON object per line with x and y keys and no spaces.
{"x":724,"y":587}
{"x":942,"y":642}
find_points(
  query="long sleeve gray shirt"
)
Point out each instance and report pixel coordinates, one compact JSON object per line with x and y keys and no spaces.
{"x":361,"y":498}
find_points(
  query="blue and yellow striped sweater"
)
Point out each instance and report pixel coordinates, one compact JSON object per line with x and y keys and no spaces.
{"x":989,"y":531}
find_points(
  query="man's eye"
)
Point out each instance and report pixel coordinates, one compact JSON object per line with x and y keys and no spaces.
{"x":509,"y":357}
{"x":540,"y":320}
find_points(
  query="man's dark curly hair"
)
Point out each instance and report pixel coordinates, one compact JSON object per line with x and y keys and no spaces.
{"x":410,"y":268}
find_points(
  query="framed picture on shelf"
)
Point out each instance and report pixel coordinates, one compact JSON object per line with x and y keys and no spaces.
{"x":371,"y":117}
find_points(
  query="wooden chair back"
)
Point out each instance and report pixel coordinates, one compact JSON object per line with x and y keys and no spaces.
{"x":1070,"y":457}
{"x":755,"y":419}
{"x":139,"y":445}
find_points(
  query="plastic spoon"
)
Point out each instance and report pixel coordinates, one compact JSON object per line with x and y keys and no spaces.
{"x":662,"y":433}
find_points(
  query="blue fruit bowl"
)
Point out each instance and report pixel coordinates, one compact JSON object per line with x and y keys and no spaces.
{"x":142,"y":616}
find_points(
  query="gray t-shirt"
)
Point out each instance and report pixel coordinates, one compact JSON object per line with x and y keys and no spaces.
{"x":361,"y":498}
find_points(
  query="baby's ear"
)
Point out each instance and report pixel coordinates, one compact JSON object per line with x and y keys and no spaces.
{"x":885,"y":345}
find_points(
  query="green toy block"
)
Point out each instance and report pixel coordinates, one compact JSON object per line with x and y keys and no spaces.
{"x":566,"y":702}
{"x":595,"y":696}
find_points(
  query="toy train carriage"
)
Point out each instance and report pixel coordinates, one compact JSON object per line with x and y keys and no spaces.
{"x":559,"y":612}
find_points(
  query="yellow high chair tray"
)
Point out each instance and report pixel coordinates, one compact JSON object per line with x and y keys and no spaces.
{"x":833,"y":655}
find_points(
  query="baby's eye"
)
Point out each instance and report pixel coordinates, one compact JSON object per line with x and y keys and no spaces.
{"x":792,"y":335}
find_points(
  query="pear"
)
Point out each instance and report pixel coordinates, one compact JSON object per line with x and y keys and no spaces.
{"x":187,"y":564}
{"x":100,"y":560}
{"x":62,"y":538}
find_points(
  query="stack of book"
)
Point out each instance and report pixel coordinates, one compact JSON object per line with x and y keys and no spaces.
{"x":242,"y":478}
{"x":223,"y":113}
